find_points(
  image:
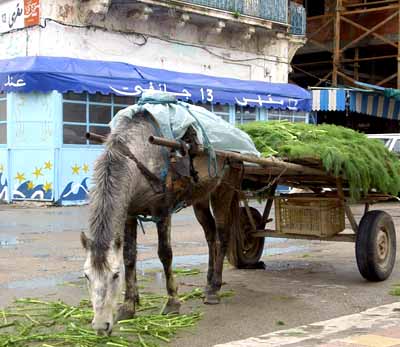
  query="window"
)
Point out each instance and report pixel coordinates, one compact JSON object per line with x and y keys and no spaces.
{"x":3,"y":118}
{"x":221,"y":110}
{"x":89,"y":113}
{"x":286,"y":115}
{"x":246,"y":114}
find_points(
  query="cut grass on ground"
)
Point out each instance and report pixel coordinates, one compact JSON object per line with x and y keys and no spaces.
{"x":33,"y":322}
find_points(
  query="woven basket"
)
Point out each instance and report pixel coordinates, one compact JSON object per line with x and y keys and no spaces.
{"x":323,"y":217}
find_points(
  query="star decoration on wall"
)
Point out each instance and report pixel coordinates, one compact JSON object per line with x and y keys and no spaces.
{"x":47,"y":186}
{"x":30,"y":185}
{"x":48,"y":165}
{"x":85,"y":168}
{"x":75,"y":169}
{"x":37,"y":172}
{"x":20,"y":177}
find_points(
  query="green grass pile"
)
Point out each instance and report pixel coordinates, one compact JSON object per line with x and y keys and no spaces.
{"x":365,"y":163}
{"x":33,"y":322}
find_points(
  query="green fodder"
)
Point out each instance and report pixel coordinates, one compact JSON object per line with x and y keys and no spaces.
{"x":365,"y":163}
{"x":33,"y":322}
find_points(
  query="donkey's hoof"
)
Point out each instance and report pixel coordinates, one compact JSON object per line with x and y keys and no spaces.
{"x":172,"y":307}
{"x":211,"y":299}
{"x":125,"y":312}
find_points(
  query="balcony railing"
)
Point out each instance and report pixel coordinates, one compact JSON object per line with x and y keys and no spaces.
{"x":298,"y":19}
{"x":273,"y":10}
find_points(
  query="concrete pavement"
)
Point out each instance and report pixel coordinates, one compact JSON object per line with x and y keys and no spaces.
{"x":375,"y":327}
{"x":304,"y":281}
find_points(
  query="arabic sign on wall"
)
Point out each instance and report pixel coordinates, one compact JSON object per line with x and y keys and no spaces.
{"x":17,"y":14}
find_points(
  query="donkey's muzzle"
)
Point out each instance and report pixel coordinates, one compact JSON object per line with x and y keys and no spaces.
{"x":102,"y":328}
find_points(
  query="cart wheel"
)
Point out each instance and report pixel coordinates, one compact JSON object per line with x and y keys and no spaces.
{"x":376,"y":246}
{"x":245,"y":251}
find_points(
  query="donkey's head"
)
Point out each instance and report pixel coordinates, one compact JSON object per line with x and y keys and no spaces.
{"x":104,"y":272}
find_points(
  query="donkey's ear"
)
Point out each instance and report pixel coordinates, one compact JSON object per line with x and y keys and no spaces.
{"x":85,"y":241}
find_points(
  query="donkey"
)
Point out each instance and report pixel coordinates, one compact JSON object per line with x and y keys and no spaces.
{"x":123,"y":189}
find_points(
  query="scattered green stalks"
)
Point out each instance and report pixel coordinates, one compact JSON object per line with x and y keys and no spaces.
{"x":32,"y":322}
{"x":186,"y":272}
{"x":395,"y":290}
{"x":38,"y":323}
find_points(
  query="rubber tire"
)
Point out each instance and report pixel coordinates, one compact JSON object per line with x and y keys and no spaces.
{"x":246,"y":260}
{"x":366,"y":246}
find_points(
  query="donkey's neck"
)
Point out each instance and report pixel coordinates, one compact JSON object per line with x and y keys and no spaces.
{"x":110,"y":198}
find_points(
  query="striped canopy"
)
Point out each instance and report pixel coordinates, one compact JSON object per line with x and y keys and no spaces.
{"x":374,"y":104}
{"x":332,"y":99}
{"x":368,"y":102}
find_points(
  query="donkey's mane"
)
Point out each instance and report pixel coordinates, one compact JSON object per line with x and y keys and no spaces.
{"x":107,"y":200}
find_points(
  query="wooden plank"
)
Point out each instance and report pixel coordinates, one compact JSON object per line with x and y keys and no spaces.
{"x":268,"y":162}
{"x":373,"y":3}
{"x":323,"y":79}
{"x":359,"y":26}
{"x":368,"y":58}
{"x":267,"y":210}
{"x":375,"y":9}
{"x":368,"y":32}
{"x":387,"y":79}
{"x":336,"y":238}
{"x":347,"y":209}
{"x":336,"y":43}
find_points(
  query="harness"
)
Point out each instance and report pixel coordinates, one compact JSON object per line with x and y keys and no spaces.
{"x":179,"y":173}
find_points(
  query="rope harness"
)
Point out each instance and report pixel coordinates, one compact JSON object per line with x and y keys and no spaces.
{"x":158,"y":184}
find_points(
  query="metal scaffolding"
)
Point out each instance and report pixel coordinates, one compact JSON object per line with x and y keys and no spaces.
{"x":352,"y":34}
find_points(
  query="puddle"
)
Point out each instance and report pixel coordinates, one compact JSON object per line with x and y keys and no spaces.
{"x":8,"y":241}
{"x":74,"y":258}
{"x":41,"y":255}
{"x":268,"y":251}
{"x":42,"y":282}
{"x":200,"y":259}
{"x":144,"y":248}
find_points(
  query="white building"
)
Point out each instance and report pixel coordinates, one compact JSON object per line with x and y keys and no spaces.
{"x":41,"y":130}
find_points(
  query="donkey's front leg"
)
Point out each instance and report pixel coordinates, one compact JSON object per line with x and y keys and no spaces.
{"x":128,"y":308}
{"x":165,"y":255}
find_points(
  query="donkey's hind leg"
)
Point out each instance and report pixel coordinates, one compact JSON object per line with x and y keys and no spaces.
{"x":221,"y":202}
{"x":128,"y":308}
{"x":165,"y":255}
{"x":206,"y":219}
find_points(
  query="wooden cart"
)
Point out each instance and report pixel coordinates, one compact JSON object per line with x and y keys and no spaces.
{"x":318,"y":214}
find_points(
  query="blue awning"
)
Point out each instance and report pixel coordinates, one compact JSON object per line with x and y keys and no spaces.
{"x":374,"y":104}
{"x":45,"y":74}
{"x":328,"y":99}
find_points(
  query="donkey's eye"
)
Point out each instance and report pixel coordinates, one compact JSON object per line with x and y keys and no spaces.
{"x":116,"y":275}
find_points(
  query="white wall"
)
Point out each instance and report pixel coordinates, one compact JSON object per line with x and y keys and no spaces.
{"x":200,"y":49}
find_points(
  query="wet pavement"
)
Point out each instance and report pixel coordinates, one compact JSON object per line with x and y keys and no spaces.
{"x":304,"y":281}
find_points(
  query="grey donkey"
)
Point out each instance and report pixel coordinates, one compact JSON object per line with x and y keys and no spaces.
{"x":121,"y":191}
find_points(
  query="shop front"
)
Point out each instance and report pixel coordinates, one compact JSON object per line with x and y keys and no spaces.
{"x":47,"y":104}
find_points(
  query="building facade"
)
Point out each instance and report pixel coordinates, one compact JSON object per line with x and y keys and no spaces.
{"x":43,"y":152}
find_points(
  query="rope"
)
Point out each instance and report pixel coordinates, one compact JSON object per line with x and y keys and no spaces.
{"x":212,"y":158}
{"x":209,"y":149}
